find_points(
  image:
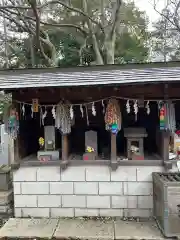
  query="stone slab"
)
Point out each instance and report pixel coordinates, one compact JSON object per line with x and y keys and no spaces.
{"x":28,"y":228}
{"x":137,"y":230}
{"x":84,"y":229}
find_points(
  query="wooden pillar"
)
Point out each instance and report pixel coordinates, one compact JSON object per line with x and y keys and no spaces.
{"x":165,"y":145}
{"x":16,"y":151}
{"x":113,"y":148}
{"x":65,"y":147}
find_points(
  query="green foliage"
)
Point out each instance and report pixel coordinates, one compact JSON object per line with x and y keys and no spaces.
{"x":130,"y":49}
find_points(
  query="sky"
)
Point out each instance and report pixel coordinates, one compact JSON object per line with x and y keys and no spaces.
{"x":147,"y":5}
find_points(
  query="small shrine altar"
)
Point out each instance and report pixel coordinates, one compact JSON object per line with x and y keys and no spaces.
{"x":135,"y":142}
{"x":48,"y":149}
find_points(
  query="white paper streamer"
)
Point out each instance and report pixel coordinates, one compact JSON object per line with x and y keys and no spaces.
{"x":93,"y":110}
{"x":23,"y":110}
{"x":53,"y":111}
{"x":71,"y":112}
{"x":44,"y":116}
{"x":136,"y":109}
{"x":128,"y":109}
{"x":81,"y":109}
{"x":148,"y":108}
{"x":103,"y":106}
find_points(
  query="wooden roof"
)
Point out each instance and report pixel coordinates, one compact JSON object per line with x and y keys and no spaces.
{"x":89,"y":76}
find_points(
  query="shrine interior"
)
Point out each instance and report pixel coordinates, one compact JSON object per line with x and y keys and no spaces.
{"x":31,"y":129}
{"x":91,"y":116}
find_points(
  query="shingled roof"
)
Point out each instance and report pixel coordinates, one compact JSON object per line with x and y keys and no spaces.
{"x":86,"y":76}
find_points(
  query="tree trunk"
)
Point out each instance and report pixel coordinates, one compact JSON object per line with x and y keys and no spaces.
{"x":109,"y":48}
{"x":99,"y":58}
{"x":109,"y":45}
{"x":33,"y":62}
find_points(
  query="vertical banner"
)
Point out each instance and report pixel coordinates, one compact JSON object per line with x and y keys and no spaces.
{"x":35,"y":105}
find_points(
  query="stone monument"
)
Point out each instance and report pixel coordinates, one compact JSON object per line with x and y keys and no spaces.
{"x":91,"y":148}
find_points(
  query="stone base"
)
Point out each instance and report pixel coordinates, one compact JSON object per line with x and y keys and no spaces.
{"x":5,"y":178}
{"x":6,"y":197}
{"x":89,"y":156}
{"x":83,"y":191}
{"x":54,"y":154}
{"x":137,"y":156}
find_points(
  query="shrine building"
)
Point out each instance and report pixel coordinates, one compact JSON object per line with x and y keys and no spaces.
{"x":84,"y":141}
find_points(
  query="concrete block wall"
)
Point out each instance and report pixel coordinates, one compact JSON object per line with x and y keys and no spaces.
{"x":83,"y":191}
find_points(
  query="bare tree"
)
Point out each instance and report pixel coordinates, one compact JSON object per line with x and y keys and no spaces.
{"x":172,"y":7}
{"x":167,"y":28}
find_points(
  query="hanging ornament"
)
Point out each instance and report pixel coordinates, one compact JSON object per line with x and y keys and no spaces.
{"x":13,"y":123}
{"x":114,"y":128}
{"x":71,"y":112}
{"x":53,"y":111}
{"x":44,"y":115}
{"x":135,"y":109}
{"x":81,"y":109}
{"x":63,"y":120}
{"x":162,"y":115}
{"x":93,"y":110}
{"x":128,"y":109}
{"x":35,"y":105}
{"x":147,"y":108}
{"x":103,"y":106}
{"x":171,"y":117}
{"x":113,"y":116}
{"x":23,"y":110}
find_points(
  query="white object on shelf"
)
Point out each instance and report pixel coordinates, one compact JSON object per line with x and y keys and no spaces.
{"x":178,"y":165}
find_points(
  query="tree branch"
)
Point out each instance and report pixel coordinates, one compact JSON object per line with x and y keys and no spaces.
{"x":71,"y":8}
{"x":60,"y":25}
{"x":17,"y":23}
{"x":176,"y":21}
{"x":28,"y":29}
{"x":56,"y":2}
